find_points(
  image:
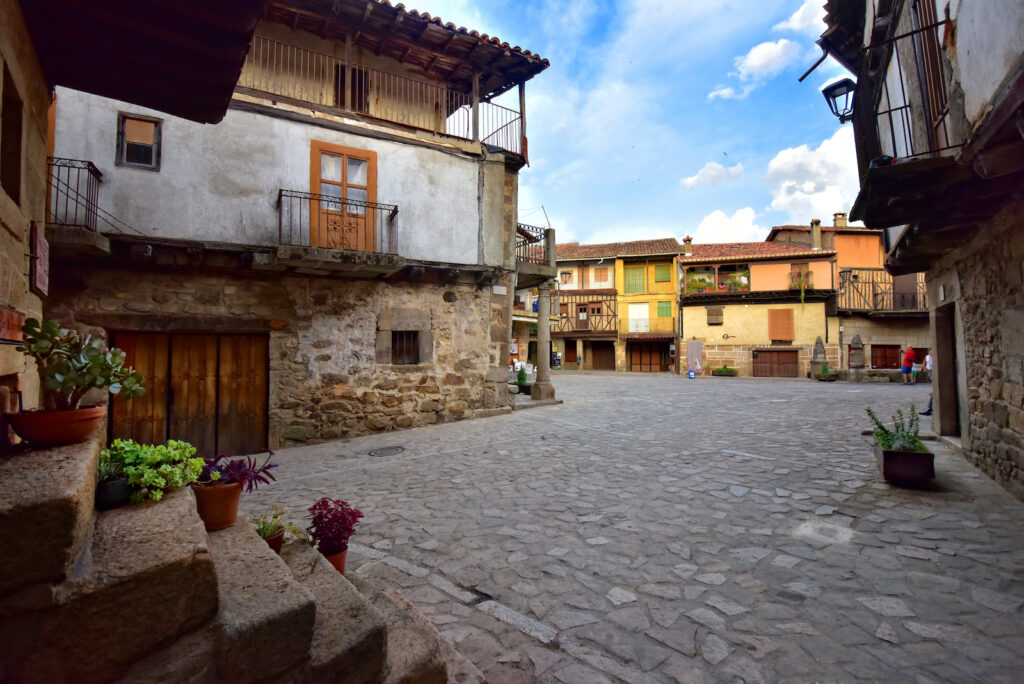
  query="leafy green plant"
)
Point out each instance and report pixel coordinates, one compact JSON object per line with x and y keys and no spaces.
{"x":904,"y":435}
{"x":153,"y":470}
{"x":269,"y":524}
{"x":697,"y":283}
{"x":108,"y":470}
{"x":70,"y":365}
{"x":521,"y":377}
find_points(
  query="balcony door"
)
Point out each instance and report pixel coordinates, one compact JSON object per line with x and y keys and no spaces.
{"x":343,"y":181}
{"x":639,"y":317}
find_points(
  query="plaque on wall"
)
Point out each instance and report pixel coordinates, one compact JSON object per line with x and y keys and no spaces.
{"x":39,"y":275}
{"x":10,"y":325}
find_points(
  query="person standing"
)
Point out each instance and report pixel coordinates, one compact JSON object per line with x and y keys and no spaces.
{"x":908,"y":365}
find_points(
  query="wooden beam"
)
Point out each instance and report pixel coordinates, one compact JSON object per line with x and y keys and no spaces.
{"x":405,"y":55}
{"x":476,"y":105}
{"x":366,"y":12}
{"x":1000,"y":160}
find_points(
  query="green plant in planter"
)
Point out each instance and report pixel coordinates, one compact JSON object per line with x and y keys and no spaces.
{"x":904,"y":435}
{"x":521,"y":377}
{"x":108,"y":470}
{"x":70,"y":365}
{"x":153,"y":470}
{"x":269,"y":524}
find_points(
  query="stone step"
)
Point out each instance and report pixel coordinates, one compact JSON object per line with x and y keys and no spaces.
{"x":46,"y":515}
{"x":147,"y":578}
{"x":265,"y":617}
{"x":349,"y":638}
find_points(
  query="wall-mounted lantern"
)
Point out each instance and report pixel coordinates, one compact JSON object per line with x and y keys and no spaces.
{"x":565,"y":276}
{"x":839,"y":96}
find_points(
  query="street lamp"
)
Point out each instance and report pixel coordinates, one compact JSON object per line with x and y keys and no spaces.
{"x":565,"y":275}
{"x":839,"y":96}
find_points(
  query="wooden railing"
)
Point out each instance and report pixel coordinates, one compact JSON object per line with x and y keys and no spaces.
{"x":325,"y":80}
{"x":874,"y":291}
{"x":595,"y":323}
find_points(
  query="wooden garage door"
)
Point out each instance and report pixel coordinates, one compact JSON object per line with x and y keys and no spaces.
{"x":779,"y":363}
{"x":602,"y":355}
{"x":208,"y":390}
{"x":648,"y":357}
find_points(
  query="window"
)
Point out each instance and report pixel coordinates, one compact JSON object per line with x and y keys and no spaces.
{"x":664,"y":309}
{"x":601,"y":274}
{"x":138,"y":141}
{"x":780,"y":326}
{"x":634,"y":280}
{"x":595,"y":308}
{"x":800,"y":275}
{"x":343,"y":180}
{"x":716,"y":315}
{"x":563,"y":309}
{"x":405,"y":347}
{"x":662,"y":273}
{"x":10,"y":139}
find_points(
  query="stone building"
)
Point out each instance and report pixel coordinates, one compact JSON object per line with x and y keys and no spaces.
{"x":937,"y":110}
{"x":337,"y":257}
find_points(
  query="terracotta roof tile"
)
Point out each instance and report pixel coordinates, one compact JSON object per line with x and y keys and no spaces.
{"x":574,"y":250}
{"x":751,"y":251}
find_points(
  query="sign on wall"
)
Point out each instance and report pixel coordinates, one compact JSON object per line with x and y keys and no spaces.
{"x":10,"y":324}
{"x":39,"y":275}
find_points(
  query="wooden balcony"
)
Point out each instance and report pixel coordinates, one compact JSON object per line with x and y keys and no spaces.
{"x":876,"y":292}
{"x":592,"y":326}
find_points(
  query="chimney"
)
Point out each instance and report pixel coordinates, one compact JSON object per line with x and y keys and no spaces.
{"x":815,"y":234}
{"x":839,"y":219}
{"x":688,"y":246}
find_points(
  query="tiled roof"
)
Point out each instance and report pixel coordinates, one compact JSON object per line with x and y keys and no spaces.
{"x":574,"y":250}
{"x":825,"y":229}
{"x":751,"y":250}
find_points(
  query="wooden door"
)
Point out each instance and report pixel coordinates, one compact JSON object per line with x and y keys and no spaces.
{"x":208,"y":390}
{"x":885,"y":356}
{"x":778,"y":363}
{"x":602,"y":355}
{"x":581,"y":317}
{"x":648,"y":357}
{"x":344,"y":181}
{"x":570,"y":351}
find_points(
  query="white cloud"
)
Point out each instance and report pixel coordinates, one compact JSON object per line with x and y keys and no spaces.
{"x":815,"y":183}
{"x":720,"y":227}
{"x":762,"y":62}
{"x":713,"y":173}
{"x":808,"y":19}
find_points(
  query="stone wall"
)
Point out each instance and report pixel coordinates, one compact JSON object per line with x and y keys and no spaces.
{"x":740,"y":357}
{"x":324,"y":376}
{"x":986,"y":280}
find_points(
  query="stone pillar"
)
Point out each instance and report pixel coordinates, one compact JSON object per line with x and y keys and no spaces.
{"x":542,"y":388}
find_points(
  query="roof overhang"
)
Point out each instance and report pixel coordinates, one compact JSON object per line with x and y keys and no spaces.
{"x":843,"y":37}
{"x":182,"y":57}
{"x":795,"y":256}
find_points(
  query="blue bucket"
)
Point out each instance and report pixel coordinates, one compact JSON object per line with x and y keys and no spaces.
{"x":691,"y":374}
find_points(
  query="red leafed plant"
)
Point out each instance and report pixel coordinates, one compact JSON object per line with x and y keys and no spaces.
{"x":334,"y":521}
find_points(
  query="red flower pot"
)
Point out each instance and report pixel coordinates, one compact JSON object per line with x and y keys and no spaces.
{"x":276,"y":542}
{"x":338,"y":561}
{"x":218,"y":504}
{"x":57,"y":428}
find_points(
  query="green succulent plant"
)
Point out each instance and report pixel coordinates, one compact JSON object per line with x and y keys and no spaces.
{"x":904,"y":435}
{"x":108,"y":470}
{"x":70,"y":365}
{"x":269,"y":524}
{"x":153,"y":470}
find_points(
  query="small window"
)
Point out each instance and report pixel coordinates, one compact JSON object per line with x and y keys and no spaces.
{"x":595,"y":308}
{"x":664,"y":309}
{"x":138,"y":142}
{"x":634,"y":280}
{"x":662,"y":273}
{"x":601,"y":274}
{"x":11,"y":112}
{"x":716,"y":315}
{"x":405,"y":347}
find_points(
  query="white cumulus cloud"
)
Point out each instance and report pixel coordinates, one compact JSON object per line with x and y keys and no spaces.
{"x":713,"y":173}
{"x":815,"y":182}
{"x":808,"y":19}
{"x":762,"y":62}
{"x":720,"y":227}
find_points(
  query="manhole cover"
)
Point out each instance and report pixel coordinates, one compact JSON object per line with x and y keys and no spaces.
{"x":387,"y":451}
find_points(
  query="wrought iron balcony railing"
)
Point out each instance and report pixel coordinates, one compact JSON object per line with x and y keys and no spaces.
{"x":72,"y":193}
{"x":532,"y":245}
{"x":872,"y":290}
{"x":307,"y":219}
{"x":322,"y":79}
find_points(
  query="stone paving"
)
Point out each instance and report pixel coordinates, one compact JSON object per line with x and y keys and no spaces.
{"x":658,"y":529}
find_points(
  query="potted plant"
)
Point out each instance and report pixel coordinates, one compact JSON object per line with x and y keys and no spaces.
{"x":152,"y":470}
{"x":111,"y":484}
{"x":220,"y":485}
{"x":333,"y":522}
{"x":69,"y":366}
{"x":825,"y":375}
{"x":900,"y":453}
{"x":271,"y":527}
{"x":724,"y":371}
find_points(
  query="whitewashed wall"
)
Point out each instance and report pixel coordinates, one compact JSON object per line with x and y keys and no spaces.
{"x":220,"y":183}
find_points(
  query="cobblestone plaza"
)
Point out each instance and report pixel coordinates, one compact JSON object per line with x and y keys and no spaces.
{"x":657,"y":529}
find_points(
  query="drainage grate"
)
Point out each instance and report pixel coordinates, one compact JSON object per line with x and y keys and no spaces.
{"x":387,"y":451}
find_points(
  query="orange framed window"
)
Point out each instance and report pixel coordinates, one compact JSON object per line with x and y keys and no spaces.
{"x":344,"y":182}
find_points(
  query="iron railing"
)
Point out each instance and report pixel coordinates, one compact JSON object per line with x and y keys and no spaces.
{"x":532,"y":245}
{"x":306,"y":219}
{"x":911,"y":105}
{"x":661,"y":324}
{"x":328,"y":81}
{"x":73,"y":193}
{"x":875,"y":291}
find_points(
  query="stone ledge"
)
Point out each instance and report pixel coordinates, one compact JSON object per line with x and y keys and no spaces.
{"x":46,"y":512}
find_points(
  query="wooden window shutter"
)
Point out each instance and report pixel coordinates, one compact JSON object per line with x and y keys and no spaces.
{"x":716,"y":315}
{"x":634,"y":280}
{"x":601,"y":274}
{"x":780,"y":324}
{"x":662,"y":273}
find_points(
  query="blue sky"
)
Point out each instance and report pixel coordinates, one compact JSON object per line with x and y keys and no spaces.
{"x":665,"y":118}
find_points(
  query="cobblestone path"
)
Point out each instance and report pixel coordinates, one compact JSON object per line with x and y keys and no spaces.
{"x":656,"y":529}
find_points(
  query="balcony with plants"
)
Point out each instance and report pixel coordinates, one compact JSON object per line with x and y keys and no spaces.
{"x":707,"y":280}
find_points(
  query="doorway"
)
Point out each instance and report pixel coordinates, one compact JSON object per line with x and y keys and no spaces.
{"x":945,"y":385}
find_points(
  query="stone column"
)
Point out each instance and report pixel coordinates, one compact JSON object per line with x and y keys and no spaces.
{"x":542,"y":388}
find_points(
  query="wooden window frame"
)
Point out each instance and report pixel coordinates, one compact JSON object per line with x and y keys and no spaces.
{"x":625,"y":279}
{"x":667,"y":271}
{"x":318,"y":147}
{"x":600,"y":274}
{"x":120,"y":159}
{"x":668,"y":308}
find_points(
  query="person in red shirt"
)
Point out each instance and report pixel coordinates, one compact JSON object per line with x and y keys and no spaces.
{"x":908,"y":365}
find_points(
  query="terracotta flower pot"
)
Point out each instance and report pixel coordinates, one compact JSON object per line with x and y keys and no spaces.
{"x":338,"y":561}
{"x":276,"y":541}
{"x":57,"y":428}
{"x":111,"y":494}
{"x":218,"y":504}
